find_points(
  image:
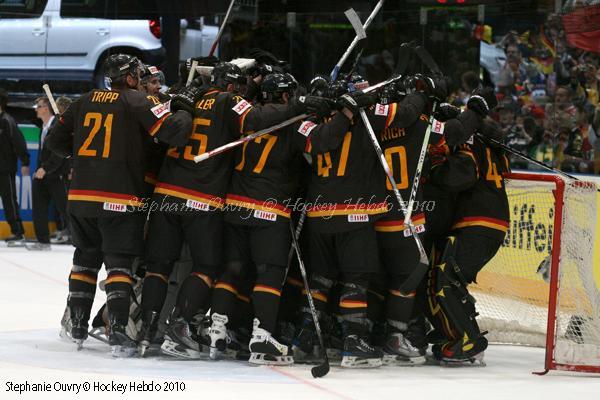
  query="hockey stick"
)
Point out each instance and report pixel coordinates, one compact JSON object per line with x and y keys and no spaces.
{"x":298,"y":231}
{"x":523,"y":156}
{"x":320,"y":370}
{"x":46,"y":88}
{"x":221,"y":29}
{"x":231,"y":145}
{"x":360,"y":35}
{"x":423,"y":259}
{"x":192,"y":71}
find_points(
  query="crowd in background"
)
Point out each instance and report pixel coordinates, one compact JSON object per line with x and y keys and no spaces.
{"x":548,"y":93}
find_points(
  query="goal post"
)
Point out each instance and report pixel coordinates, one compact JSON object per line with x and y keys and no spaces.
{"x":551,"y":220}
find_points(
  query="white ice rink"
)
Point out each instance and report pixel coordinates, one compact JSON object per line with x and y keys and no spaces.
{"x":33,"y":289}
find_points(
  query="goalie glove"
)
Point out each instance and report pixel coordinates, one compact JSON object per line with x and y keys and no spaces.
{"x":482,"y":101}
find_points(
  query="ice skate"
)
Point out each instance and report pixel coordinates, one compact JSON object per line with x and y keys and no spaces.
{"x":180,"y":342}
{"x":79,"y":326}
{"x":399,"y":351}
{"x":358,"y":353}
{"x":461,"y":353}
{"x":121,"y":345}
{"x":148,"y":330}
{"x":38,"y":246}
{"x":237,"y":345}
{"x":265,"y":350}
{"x":15,"y":241}
{"x":217,"y":334}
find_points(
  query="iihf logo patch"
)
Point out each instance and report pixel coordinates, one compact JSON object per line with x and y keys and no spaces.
{"x":437,"y":127}
{"x":242,"y":107}
{"x":306,"y":128}
{"x":382,"y":109}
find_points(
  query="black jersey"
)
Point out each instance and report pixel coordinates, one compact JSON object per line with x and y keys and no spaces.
{"x":344,"y":190}
{"x":104,"y":131}
{"x":266,"y":178}
{"x":475,"y":170}
{"x":219,"y":118}
{"x":400,"y":130}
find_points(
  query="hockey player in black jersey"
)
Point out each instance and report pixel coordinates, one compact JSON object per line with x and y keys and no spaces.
{"x":401,"y":131}
{"x":257,"y":238}
{"x":343,"y":202}
{"x":474,"y":171}
{"x":104,"y":132}
{"x":189,"y":199}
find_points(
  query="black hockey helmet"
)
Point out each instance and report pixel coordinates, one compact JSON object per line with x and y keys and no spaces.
{"x":318,"y":85}
{"x":274,"y":86}
{"x":118,"y":66}
{"x":225,"y":73}
{"x":150,"y":71}
{"x":392,"y":93}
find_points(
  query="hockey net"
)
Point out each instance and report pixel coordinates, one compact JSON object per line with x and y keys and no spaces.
{"x":552,"y":220}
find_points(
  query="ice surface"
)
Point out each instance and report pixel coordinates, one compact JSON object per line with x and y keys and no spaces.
{"x":33,"y":289}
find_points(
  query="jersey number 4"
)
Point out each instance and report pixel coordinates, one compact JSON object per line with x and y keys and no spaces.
{"x":324,"y":160}
{"x":96,"y":121}
{"x":492,"y":171}
{"x":196,"y":139}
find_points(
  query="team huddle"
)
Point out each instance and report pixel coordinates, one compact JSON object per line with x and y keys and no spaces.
{"x":352,"y":231}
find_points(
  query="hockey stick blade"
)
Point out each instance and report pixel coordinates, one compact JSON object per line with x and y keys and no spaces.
{"x":355,"y":22}
{"x":46,"y":88}
{"x":320,"y":370}
{"x":404,"y":54}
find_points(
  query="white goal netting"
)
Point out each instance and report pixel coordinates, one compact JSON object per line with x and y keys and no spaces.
{"x":513,"y":298}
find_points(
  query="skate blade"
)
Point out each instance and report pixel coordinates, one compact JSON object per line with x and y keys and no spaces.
{"x":143,"y":348}
{"x":268,"y":359}
{"x":79,"y":344}
{"x":356,"y":362}
{"x":475,"y":361}
{"x":119,"y":351}
{"x":15,"y":244}
{"x":99,"y":334}
{"x":174,"y":349}
{"x":66,"y":336}
{"x":395,"y":360}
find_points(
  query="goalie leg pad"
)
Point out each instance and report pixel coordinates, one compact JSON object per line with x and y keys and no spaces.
{"x":453,"y":306}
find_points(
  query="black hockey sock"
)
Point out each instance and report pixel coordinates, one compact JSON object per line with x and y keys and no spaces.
{"x":267,"y":293}
{"x":375,"y":302}
{"x":319,"y":290}
{"x":82,"y":280}
{"x":399,"y":306}
{"x":291,"y":300}
{"x":353,"y":304}
{"x":118,"y":287}
{"x":193,"y":293}
{"x":154,"y":291}
{"x":156,"y":285}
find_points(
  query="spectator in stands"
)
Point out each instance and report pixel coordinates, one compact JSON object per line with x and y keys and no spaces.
{"x":562,"y":108}
{"x":49,"y":181}
{"x":12,"y":148}
{"x":514,"y":136}
{"x":574,"y":160}
{"x":544,"y":151}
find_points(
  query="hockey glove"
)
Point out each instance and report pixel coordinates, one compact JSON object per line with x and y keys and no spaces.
{"x":186,"y":99}
{"x":446,"y":111}
{"x":356,"y":100}
{"x":320,"y":106}
{"x":482,"y":101}
{"x":435,"y":86}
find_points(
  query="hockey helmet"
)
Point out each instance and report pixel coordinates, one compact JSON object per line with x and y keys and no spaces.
{"x":225,"y":73}
{"x":274,"y":86}
{"x":318,"y":85}
{"x":118,"y":66}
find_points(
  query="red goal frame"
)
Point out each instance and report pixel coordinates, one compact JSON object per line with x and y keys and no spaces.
{"x":551,"y":330}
